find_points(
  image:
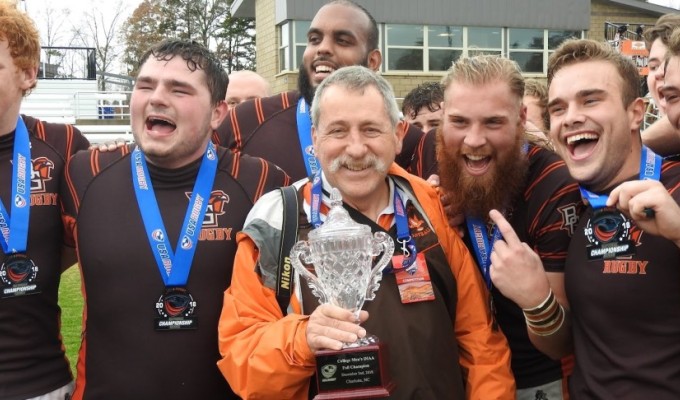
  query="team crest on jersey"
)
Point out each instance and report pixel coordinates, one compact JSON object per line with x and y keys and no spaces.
{"x":609,"y":233}
{"x":41,"y":173}
{"x":569,"y":218}
{"x":216,"y":207}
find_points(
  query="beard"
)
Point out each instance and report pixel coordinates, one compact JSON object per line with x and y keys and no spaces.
{"x":477,"y":195}
{"x":305,"y":85}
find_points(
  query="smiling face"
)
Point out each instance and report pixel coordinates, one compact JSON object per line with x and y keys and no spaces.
{"x":480,"y":144}
{"x":355,"y":143}
{"x":337,"y":37}
{"x":671,"y":91}
{"x":657,"y":55}
{"x":172,"y":117}
{"x":596,"y":135}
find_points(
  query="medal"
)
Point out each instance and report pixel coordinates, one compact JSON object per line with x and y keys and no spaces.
{"x":608,"y":234}
{"x":18,"y":276}
{"x":175,"y":308}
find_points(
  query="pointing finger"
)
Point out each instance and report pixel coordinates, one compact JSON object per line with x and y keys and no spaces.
{"x":504,"y":227}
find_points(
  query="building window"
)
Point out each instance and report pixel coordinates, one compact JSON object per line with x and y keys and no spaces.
{"x":434,"y":48}
{"x":530,"y":48}
{"x":293,"y":43}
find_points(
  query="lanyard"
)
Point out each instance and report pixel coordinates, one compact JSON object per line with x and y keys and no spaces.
{"x":15,"y":228}
{"x":482,"y":246}
{"x":650,"y":169}
{"x":304,"y":125}
{"x":408,"y":245}
{"x":174,"y":266}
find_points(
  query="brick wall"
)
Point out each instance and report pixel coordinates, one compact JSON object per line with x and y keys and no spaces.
{"x":601,"y":12}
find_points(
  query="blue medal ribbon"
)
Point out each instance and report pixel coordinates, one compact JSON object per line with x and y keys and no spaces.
{"x":174,"y":266}
{"x":650,"y":169}
{"x":304,"y":126}
{"x":14,"y":228}
{"x":482,"y":246}
{"x":404,"y":238}
{"x":315,"y":203}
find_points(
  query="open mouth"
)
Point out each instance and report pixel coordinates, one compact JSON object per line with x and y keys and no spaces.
{"x":477,"y":164}
{"x":582,"y":145}
{"x":160,"y":125}
{"x":323,"y":70}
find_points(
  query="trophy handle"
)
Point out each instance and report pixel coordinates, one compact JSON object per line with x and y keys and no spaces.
{"x":381,"y":241}
{"x":301,"y":250}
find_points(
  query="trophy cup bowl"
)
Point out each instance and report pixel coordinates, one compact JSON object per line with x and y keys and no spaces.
{"x":341,"y":253}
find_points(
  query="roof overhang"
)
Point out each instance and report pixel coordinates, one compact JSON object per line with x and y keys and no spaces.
{"x":243,"y":8}
{"x":642,"y":5}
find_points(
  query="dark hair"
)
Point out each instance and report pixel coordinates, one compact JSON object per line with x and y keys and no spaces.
{"x":373,"y":34}
{"x":196,"y":56}
{"x":574,"y":51}
{"x":428,"y":94}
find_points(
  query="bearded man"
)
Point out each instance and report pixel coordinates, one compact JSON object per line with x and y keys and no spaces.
{"x":518,"y":199}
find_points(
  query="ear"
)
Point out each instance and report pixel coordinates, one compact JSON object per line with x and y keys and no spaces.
{"x":218,"y":114}
{"x":523,"y":114}
{"x":636,"y":112}
{"x":29,"y":76}
{"x":401,"y":129}
{"x":374,"y":59}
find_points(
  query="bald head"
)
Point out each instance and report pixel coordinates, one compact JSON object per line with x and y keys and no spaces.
{"x":245,"y":85}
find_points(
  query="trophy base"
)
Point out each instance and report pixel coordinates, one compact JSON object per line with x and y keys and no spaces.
{"x":353,"y":373}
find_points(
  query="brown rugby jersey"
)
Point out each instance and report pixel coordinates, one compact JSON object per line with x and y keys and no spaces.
{"x":544,"y":216}
{"x":626,"y":308}
{"x":267,"y":128}
{"x":32,"y":360}
{"x":122,"y":356}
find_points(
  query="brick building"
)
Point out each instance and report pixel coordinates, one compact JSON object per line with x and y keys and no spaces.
{"x":420,"y":39}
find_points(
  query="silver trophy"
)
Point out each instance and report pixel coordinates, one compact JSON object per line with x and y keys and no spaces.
{"x":342,"y":252}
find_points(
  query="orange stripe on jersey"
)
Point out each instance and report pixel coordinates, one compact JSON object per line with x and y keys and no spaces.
{"x":71,"y":189}
{"x":285,"y":101}
{"x":94,"y":162}
{"x":69,"y":140}
{"x":235,"y":130}
{"x":40,"y":131}
{"x":258,"y":110}
{"x":81,"y":376}
{"x":235,"y":164}
{"x":264,"y":173}
{"x":419,"y":151}
{"x":546,"y":171}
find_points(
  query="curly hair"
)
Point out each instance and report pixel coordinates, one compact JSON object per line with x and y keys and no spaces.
{"x":21,"y":35}
{"x":428,"y":94}
{"x":196,"y":57}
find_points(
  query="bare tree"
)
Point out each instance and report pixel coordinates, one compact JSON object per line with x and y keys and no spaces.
{"x":100,"y":31}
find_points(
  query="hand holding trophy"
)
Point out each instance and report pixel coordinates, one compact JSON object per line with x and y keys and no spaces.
{"x":341,"y":253}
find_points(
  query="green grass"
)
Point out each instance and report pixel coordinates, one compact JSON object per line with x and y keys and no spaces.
{"x":71,"y":303}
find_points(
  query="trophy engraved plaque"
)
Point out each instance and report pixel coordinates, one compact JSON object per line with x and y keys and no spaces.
{"x":341,"y":254}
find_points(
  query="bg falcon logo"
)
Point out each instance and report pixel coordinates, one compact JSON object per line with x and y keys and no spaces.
{"x":41,"y":173}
